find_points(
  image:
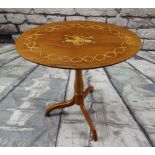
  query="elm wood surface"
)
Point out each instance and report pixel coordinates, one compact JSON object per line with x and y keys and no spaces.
{"x":77,"y":45}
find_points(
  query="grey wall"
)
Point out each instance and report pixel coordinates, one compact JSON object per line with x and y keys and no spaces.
{"x":142,"y":21}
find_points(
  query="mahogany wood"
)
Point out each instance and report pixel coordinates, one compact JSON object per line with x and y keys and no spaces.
{"x":77,"y":45}
{"x":78,"y":99}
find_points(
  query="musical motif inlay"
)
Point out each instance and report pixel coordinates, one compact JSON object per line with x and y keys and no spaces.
{"x":78,"y":40}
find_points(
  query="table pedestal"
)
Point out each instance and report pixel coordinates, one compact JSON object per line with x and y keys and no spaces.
{"x":78,"y":99}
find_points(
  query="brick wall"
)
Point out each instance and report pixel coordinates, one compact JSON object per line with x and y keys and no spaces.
{"x":142,"y":21}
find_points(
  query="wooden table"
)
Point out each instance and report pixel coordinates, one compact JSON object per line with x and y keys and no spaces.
{"x":77,"y":45}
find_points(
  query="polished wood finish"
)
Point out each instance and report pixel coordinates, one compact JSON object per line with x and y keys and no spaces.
{"x":78,"y":99}
{"x":77,"y":45}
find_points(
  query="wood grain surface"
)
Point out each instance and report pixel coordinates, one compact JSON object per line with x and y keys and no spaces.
{"x":78,"y":44}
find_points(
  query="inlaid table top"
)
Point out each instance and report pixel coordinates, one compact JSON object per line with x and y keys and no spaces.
{"x":77,"y":44}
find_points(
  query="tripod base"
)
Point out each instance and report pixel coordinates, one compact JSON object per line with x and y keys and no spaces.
{"x":78,"y":99}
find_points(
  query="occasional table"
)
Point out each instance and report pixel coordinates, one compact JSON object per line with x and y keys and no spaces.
{"x":77,"y":45}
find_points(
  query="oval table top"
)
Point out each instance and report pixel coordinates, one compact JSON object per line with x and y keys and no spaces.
{"x":77,"y":44}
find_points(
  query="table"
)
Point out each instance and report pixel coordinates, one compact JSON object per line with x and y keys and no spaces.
{"x":77,"y":45}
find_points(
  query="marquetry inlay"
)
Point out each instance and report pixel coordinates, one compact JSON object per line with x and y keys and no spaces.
{"x":120,"y":42}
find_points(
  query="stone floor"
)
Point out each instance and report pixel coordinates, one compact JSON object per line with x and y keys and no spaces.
{"x":122,"y":106}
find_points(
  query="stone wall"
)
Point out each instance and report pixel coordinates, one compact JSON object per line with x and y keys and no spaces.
{"x":142,"y":21}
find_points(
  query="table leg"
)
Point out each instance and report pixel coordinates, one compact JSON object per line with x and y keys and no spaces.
{"x":87,"y":91}
{"x":59,"y":105}
{"x":88,"y":119}
{"x":78,"y":99}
